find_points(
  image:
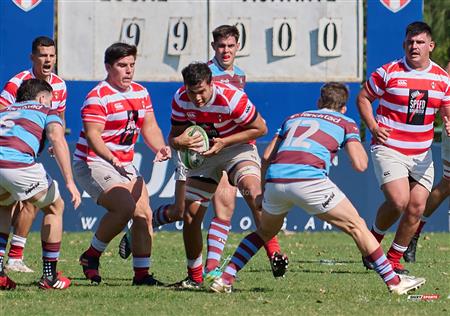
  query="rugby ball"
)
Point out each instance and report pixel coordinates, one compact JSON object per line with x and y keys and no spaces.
{"x":193,"y":159}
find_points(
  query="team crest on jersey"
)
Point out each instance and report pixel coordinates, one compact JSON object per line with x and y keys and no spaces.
{"x":26,"y":5}
{"x":395,"y":5}
{"x":417,"y":107}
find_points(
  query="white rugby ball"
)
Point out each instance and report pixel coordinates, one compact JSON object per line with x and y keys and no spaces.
{"x":193,"y":159}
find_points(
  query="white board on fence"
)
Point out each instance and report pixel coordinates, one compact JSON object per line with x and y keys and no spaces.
{"x":281,"y":41}
{"x":330,"y":37}
{"x":284,"y":33}
{"x":243,"y":26}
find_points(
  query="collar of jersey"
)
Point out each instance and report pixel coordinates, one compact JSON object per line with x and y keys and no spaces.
{"x":213,"y":97}
{"x":230,"y":72}
{"x":418,"y":71}
{"x":130,"y":88}
{"x":34,"y":77}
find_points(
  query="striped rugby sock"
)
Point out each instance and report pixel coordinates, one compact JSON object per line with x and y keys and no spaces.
{"x":383,"y":267}
{"x":217,"y":238}
{"x":248,"y":247}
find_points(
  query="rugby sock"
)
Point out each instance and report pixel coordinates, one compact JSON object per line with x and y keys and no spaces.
{"x":195,"y":269}
{"x":97,"y":247}
{"x":423,"y":221}
{"x":248,"y":247}
{"x":377,"y":233}
{"x":3,"y":243}
{"x":50,"y":255}
{"x":272,"y":246}
{"x":217,"y":238}
{"x":141,"y":265}
{"x":383,"y":267}
{"x":395,"y":253}
{"x":160,"y":216}
{"x":16,"y":248}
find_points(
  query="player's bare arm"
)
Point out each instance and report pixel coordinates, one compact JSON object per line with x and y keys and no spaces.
{"x":251,"y":131}
{"x":358,"y":155}
{"x":154,"y":139}
{"x":179,"y":138}
{"x":55,"y":133}
{"x":364,"y":103}
{"x":269,"y":153}
{"x":445,"y":114}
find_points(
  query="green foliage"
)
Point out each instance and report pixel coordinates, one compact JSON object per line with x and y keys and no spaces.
{"x":339,"y":286}
{"x":437,"y":15}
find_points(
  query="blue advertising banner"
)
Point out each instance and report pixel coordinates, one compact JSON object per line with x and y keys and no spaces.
{"x":361,"y":188}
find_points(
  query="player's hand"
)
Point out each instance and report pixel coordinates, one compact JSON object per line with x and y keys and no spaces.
{"x":163,"y":154}
{"x":76,"y":197}
{"x":194,"y":142}
{"x":447,"y":125}
{"x":218,"y":145}
{"x":50,"y":151}
{"x":381,"y":134}
{"x":115,"y":162}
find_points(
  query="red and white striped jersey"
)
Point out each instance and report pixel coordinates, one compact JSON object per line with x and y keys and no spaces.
{"x":8,"y":95}
{"x":225,"y":114}
{"x":121,"y":113}
{"x":409,"y":101}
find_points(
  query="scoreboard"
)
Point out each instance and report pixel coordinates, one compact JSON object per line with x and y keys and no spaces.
{"x":281,"y":40}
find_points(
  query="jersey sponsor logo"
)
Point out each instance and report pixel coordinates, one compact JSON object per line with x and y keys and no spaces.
{"x":395,"y":5}
{"x":328,"y":200}
{"x":248,"y":108}
{"x":191,"y":116}
{"x":26,"y":5}
{"x":118,"y":106}
{"x":131,"y":128}
{"x":402,"y":82}
{"x":32,"y":187}
{"x":417,"y":106}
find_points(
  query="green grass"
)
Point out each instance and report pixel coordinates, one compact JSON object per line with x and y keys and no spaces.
{"x":310,"y":288}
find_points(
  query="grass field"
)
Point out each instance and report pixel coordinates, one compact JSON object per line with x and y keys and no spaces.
{"x":311,"y":287}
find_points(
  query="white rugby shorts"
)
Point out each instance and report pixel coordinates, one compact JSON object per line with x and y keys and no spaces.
{"x":314,"y":196}
{"x":96,"y":177}
{"x":24,"y":183}
{"x":390,"y":165}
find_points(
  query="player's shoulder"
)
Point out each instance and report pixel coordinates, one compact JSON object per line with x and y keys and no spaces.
{"x":137,"y":86}
{"x":395,"y":65}
{"x":55,"y":79}
{"x":229,"y":91}
{"x":438,"y":70}
{"x":100,"y":90}
{"x":23,"y":75}
{"x":238,"y":71}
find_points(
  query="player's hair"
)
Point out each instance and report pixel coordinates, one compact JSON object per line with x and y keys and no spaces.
{"x":195,"y":73}
{"x":29,"y":89}
{"x":224,"y":31}
{"x":333,"y":95}
{"x":119,"y":50}
{"x":41,"y":41}
{"x":418,"y":27}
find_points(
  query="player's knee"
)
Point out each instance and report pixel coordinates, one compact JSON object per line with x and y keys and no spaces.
{"x":54,"y":208}
{"x":198,"y":196}
{"x":399,"y":205}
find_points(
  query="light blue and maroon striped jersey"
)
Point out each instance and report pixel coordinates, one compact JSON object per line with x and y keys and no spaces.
{"x":236,"y":78}
{"x":21,"y":128}
{"x":309,"y":142}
